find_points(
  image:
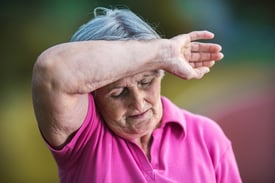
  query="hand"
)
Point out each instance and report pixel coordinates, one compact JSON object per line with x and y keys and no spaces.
{"x":193,"y":59}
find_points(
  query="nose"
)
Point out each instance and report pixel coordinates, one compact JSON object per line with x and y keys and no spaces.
{"x":137,"y":101}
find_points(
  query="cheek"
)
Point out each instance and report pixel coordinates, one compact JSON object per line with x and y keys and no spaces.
{"x":112,"y":111}
{"x":153,"y":94}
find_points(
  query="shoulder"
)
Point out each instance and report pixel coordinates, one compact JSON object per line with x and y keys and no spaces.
{"x":198,"y":126}
{"x":207,"y":134}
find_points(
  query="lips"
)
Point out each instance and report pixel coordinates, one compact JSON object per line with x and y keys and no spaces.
{"x":139,"y":115}
{"x":140,"y":122}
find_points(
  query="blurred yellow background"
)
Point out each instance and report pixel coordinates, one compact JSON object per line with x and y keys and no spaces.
{"x":239,"y":92}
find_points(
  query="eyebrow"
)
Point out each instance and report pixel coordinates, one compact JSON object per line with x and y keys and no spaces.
{"x":151,"y":73}
{"x":147,"y":74}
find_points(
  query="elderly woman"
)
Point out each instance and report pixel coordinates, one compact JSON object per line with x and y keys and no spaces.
{"x":98,"y":105}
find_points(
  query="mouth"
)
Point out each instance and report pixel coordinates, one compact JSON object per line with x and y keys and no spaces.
{"x":140,"y":122}
{"x":139,"y":115}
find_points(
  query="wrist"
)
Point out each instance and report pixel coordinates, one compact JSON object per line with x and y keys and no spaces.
{"x":167,"y":54}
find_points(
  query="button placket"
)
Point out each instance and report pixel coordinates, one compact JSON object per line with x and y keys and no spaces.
{"x":142,"y":161}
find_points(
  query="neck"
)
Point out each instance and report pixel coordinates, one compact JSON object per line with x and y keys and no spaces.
{"x":145,"y":144}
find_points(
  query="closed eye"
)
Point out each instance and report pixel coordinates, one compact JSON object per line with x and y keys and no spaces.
{"x":116,"y":93}
{"x":146,"y":82}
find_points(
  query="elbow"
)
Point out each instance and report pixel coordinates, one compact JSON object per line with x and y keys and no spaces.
{"x":43,"y":70}
{"x":43,"y":63}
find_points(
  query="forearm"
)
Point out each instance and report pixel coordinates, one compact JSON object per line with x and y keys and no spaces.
{"x":82,"y":67}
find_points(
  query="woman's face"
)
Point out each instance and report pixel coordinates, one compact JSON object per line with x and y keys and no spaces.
{"x":131,"y":107}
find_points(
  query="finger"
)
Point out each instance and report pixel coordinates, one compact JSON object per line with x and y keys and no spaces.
{"x":208,"y":64}
{"x":198,"y":64}
{"x":195,"y":35}
{"x":200,"y":72}
{"x":205,"y":47}
{"x":201,"y":57}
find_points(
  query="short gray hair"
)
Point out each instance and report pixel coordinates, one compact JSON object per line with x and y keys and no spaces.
{"x":115,"y":24}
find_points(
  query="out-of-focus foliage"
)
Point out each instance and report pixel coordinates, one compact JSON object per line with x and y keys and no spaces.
{"x":245,"y":29}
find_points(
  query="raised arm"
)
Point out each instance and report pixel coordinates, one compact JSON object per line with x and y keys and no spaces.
{"x":63,"y":75}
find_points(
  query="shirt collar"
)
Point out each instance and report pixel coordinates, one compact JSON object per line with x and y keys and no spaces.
{"x":173,"y":115}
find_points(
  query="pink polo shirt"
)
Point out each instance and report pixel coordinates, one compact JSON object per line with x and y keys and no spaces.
{"x":186,"y":148}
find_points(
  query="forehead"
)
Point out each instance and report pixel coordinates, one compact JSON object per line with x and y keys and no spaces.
{"x":127,"y":81}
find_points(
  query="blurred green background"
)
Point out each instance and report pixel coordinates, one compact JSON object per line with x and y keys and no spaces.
{"x":238,"y":93}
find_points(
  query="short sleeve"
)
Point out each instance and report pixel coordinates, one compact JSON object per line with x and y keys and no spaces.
{"x":83,"y":136}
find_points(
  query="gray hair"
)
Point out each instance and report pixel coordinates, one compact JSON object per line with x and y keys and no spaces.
{"x":116,"y":24}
